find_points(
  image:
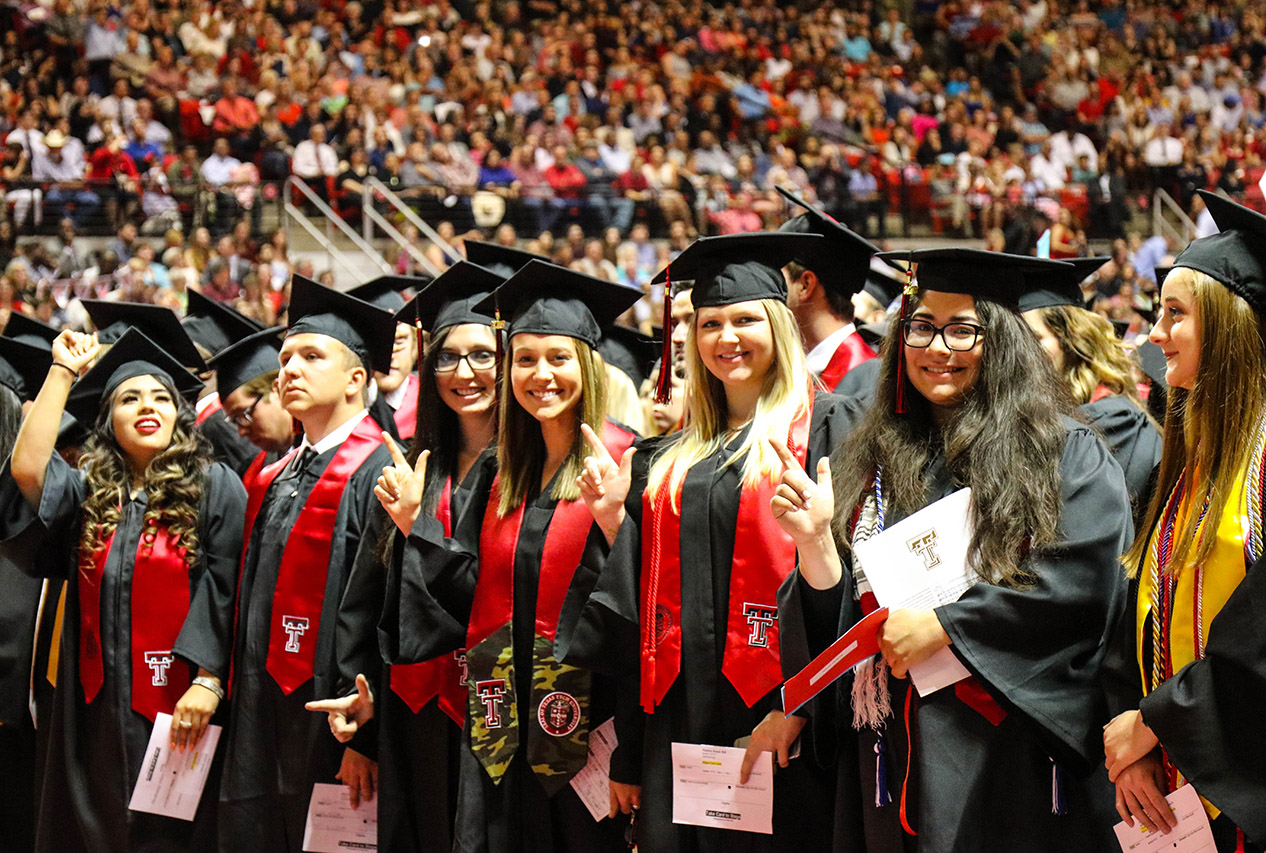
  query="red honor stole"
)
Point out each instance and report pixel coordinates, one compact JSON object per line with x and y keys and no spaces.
{"x":160,"y":603}
{"x":252,"y":470}
{"x":852,"y":352}
{"x":305,"y":563}
{"x":406,"y":417}
{"x":214,"y":406}
{"x":442,"y":678}
{"x":763,"y":557}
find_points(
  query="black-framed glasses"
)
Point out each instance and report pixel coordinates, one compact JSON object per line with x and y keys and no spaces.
{"x":959,"y":337}
{"x":246,"y":417}
{"x":480,"y":359}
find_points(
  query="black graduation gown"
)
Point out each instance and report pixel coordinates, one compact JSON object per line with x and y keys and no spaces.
{"x":417,"y":754}
{"x":96,"y":751}
{"x":18,"y":608}
{"x":227,"y":444}
{"x":1038,"y":653}
{"x":430,"y":591}
{"x":385,"y":416}
{"x":861,"y":382}
{"x":600,"y":630}
{"x":275,"y":749}
{"x":1134,"y":440}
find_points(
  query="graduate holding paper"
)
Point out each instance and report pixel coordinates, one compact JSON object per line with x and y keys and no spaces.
{"x":148,"y":531}
{"x":1005,"y":759}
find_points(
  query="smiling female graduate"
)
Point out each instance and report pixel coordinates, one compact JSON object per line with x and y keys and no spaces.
{"x":1195,"y":637}
{"x":1004,"y":760}
{"x":151,"y":529}
{"x":496,"y":586}
{"x":696,"y":561}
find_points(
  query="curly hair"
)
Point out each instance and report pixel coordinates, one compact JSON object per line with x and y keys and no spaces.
{"x":1093,"y":354}
{"x":173,"y":481}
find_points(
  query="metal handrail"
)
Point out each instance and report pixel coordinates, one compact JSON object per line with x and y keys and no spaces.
{"x":371,"y":214}
{"x":322,"y":240}
{"x":332,"y":218}
{"x":372,"y":185}
{"x":1181,"y":234}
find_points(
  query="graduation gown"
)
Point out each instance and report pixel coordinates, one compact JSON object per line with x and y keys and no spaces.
{"x":1133,"y":439}
{"x":600,"y":629}
{"x":430,"y":592}
{"x":417,"y":753}
{"x":228,"y":446}
{"x":96,"y":749}
{"x":981,"y":775}
{"x":860,"y":383}
{"x":275,"y":750}
{"x":18,"y":608}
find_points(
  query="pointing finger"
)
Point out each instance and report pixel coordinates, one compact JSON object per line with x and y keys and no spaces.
{"x":790,"y":462}
{"x":599,"y":449}
{"x":397,"y":457}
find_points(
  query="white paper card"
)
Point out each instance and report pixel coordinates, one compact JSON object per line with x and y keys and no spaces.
{"x":706,"y":789}
{"x":171,"y":782}
{"x":334,"y":826}
{"x":1192,"y":835}
{"x":593,"y":783}
{"x":920,"y":563}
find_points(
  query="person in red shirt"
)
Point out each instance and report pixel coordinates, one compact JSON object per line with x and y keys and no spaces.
{"x":236,"y":119}
{"x":114,"y":177}
{"x":567,"y":182}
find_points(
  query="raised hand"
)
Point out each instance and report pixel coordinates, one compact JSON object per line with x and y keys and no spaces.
{"x":399,"y":488}
{"x":75,"y":350}
{"x":349,"y":713}
{"x":604,"y":484}
{"x":803,"y":508}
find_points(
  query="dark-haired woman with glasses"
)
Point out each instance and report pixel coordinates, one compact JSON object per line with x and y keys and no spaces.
{"x":1006,"y":759}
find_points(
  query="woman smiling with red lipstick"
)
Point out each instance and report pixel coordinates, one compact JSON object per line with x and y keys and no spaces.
{"x":152,"y":529}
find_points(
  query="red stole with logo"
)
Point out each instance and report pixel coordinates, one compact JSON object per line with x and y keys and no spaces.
{"x":160,"y":603}
{"x":850,"y":353}
{"x":305,"y":563}
{"x":442,"y":678}
{"x":406,"y":417}
{"x":763,"y":557}
{"x":214,"y":406}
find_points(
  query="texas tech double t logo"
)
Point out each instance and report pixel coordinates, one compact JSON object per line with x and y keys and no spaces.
{"x":295,"y":627}
{"x":760,"y":617}
{"x":491,"y":692}
{"x":159,"y":662}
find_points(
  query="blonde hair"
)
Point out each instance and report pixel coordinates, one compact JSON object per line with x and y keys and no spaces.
{"x":785,"y":394}
{"x":1210,"y":430}
{"x":1093,"y":354}
{"x":521,"y":447}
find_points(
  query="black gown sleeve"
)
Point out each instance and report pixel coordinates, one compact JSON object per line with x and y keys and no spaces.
{"x":1039,"y":650}
{"x":227,"y":444}
{"x":1133,"y":439}
{"x":1208,"y":716}
{"x":43,"y":543}
{"x":206,"y":639}
{"x":356,"y":636}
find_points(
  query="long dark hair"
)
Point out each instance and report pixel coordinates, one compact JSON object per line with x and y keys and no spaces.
{"x":10,"y":420}
{"x":173,"y":481}
{"x":1005,"y":443}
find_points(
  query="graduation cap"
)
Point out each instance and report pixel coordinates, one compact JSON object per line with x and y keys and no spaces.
{"x":631,"y":351}
{"x":502,"y":260}
{"x":545,"y":299}
{"x":1236,"y":256}
{"x":251,"y":357}
{"x":1161,"y":272}
{"x":384,"y":291}
{"x":70,"y":432}
{"x":883,"y":283}
{"x":451,"y":297}
{"x":28,"y":330}
{"x":365,"y":329}
{"x":160,"y":325}
{"x":842,"y":260}
{"x":23,"y":367}
{"x":995,"y":276}
{"x":1060,"y":286}
{"x":214,"y":326}
{"x":132,"y":355}
{"x":738,"y":267}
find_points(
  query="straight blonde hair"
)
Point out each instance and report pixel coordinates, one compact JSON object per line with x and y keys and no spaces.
{"x":785,"y":394}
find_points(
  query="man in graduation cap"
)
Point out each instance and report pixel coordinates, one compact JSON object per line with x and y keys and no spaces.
{"x":394,"y":403}
{"x":246,"y":386}
{"x":305,"y":517}
{"x":28,"y":330}
{"x":820,"y":288}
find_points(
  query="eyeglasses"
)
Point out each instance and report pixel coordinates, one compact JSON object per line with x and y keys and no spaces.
{"x":480,"y":359}
{"x":959,"y":337}
{"x":247,"y":416}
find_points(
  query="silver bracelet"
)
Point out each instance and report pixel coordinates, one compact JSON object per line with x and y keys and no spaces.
{"x":210,"y":684}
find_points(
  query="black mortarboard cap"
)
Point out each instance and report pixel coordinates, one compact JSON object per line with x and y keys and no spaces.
{"x":630,"y":351}
{"x":366,"y":330}
{"x":1161,"y":272}
{"x":133,"y":354}
{"x":1236,"y":255}
{"x":738,"y":267}
{"x":70,"y":432}
{"x":450,"y":299}
{"x":883,"y":282}
{"x":247,"y":359}
{"x":385,"y":291}
{"x":160,"y":325}
{"x":23,"y":367}
{"x":215,"y":326}
{"x":545,"y":299}
{"x":841,"y":261}
{"x":28,"y":330}
{"x":502,"y":260}
{"x":1060,"y":286}
{"x":995,"y":276}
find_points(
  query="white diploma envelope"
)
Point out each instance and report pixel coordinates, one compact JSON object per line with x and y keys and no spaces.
{"x":1192,"y":835}
{"x":593,"y":783}
{"x":920,"y":563}
{"x":706,"y":789}
{"x":171,"y":782}
{"x":334,"y":826}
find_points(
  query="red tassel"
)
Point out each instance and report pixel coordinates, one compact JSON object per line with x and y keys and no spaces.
{"x":906,"y":293}
{"x":664,"y":388}
{"x":417,"y":368}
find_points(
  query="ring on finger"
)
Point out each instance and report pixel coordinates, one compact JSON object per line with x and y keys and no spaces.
{"x":185,"y":724}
